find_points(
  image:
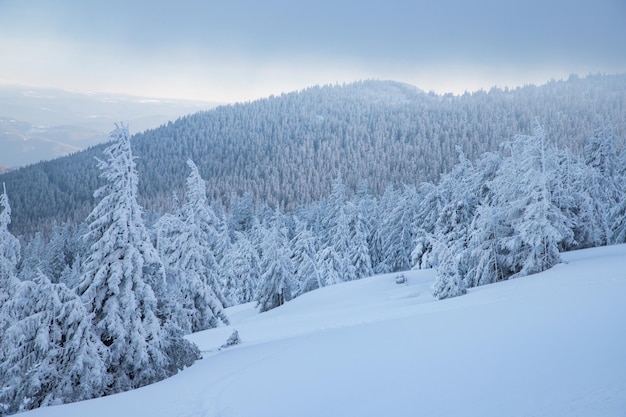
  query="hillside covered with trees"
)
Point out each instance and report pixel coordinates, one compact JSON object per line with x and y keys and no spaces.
{"x":101,"y":305}
{"x":285,"y":151}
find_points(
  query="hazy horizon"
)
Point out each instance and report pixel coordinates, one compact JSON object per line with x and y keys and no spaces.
{"x":242,"y":50}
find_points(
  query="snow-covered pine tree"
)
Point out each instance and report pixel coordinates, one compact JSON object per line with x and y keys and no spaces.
{"x":619,"y":213}
{"x":240,"y":269}
{"x":120,"y":273}
{"x":359,"y":233}
{"x":178,"y":306}
{"x":304,"y":245}
{"x":619,"y":223}
{"x":9,"y":249}
{"x":241,"y":213}
{"x":430,"y":204}
{"x":482,"y":256}
{"x":400,"y":231}
{"x":336,"y":232}
{"x":185,"y":243}
{"x":603,"y":178}
{"x":618,"y":216}
{"x":369,"y":208}
{"x":209,"y":232}
{"x":522,"y":190}
{"x":276,"y":285}
{"x":59,"y":252}
{"x":378,"y":236}
{"x":466,"y":222}
{"x":602,"y":160}
{"x":342,"y":244}
{"x":461,"y":193}
{"x":33,"y":257}
{"x":329,"y":266}
{"x":571,"y":194}
{"x":49,"y":354}
{"x":448,"y":281}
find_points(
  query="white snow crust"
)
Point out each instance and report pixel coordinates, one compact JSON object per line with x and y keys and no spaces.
{"x":550,"y":344}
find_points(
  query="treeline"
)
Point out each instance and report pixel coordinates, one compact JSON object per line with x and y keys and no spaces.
{"x":285,"y":151}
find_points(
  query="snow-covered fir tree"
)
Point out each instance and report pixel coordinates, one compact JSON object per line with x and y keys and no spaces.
{"x":431,"y":202}
{"x":276,"y":285}
{"x":482,"y":256}
{"x":603,"y":183}
{"x":241,"y":213}
{"x":358,"y":235}
{"x":33,"y":257}
{"x":368,"y":208}
{"x":336,"y":239}
{"x":460,"y":193}
{"x":240,"y":270}
{"x":342,"y":244}
{"x":305,"y":247}
{"x":378,"y":236}
{"x":9,"y":249}
{"x":186,"y":244}
{"x":619,"y":213}
{"x":571,"y":194}
{"x":619,"y":218}
{"x":121,"y":274}
{"x":448,"y":281}
{"x":400,"y":231}
{"x":49,"y":354}
{"x":330,"y":265}
{"x":474,"y":232}
{"x":522,"y":190}
{"x":60,"y":252}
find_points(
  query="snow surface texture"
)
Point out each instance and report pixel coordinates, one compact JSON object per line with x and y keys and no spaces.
{"x":550,"y":344}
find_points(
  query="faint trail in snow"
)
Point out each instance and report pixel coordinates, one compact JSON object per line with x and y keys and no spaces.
{"x":223,"y":408}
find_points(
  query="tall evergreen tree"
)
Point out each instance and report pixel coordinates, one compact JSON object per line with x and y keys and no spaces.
{"x":34,"y":257}
{"x":276,"y":285}
{"x":430,"y":204}
{"x":241,"y":213}
{"x":448,"y":281}
{"x":120,"y":273}
{"x":618,"y":215}
{"x":186,"y":245}
{"x":329,"y":266}
{"x":400,"y":231}
{"x":522,"y":190}
{"x":573,"y":196}
{"x":368,"y":208}
{"x":240,"y":269}
{"x":378,"y":237}
{"x":49,"y":354}
{"x":9,"y":249}
{"x":336,"y":236}
{"x":304,"y":246}
{"x":603,"y":183}
{"x":359,"y":250}
{"x":482,"y":256}
{"x":59,"y":252}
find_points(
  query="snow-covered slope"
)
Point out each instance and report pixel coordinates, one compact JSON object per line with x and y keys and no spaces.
{"x":552,"y":344}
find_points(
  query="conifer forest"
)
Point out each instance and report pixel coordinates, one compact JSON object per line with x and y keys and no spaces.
{"x":111,"y":256}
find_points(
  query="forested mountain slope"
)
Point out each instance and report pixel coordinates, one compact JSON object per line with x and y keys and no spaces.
{"x":286,"y":150}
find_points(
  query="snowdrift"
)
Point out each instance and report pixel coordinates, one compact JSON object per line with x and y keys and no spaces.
{"x":551,"y":344}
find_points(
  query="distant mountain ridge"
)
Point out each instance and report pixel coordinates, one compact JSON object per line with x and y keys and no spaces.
{"x":285,"y":150}
{"x":40,"y":124}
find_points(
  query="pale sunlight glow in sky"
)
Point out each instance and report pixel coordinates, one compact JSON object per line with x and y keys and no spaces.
{"x":241,"y":50}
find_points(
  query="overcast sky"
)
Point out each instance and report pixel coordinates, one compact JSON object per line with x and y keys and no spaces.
{"x":238,"y":50}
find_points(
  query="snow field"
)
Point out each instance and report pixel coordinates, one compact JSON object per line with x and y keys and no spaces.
{"x":550,"y":344}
